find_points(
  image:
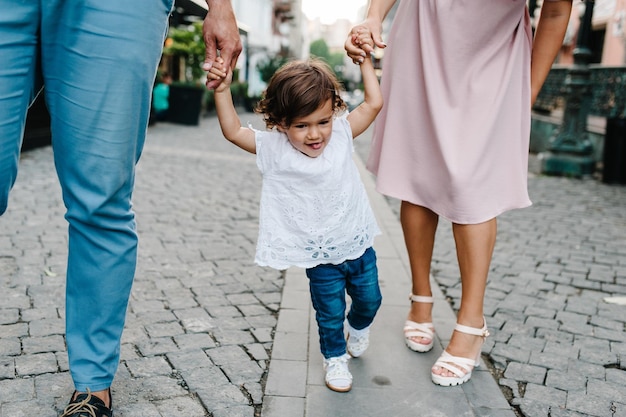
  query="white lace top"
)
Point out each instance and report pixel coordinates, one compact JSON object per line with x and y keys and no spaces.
{"x":313,"y":210}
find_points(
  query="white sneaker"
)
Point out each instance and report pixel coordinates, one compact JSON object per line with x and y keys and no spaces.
{"x":338,"y":377}
{"x":357,"y":341}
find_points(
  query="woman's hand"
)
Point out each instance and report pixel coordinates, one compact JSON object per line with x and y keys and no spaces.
{"x":362,"y":40}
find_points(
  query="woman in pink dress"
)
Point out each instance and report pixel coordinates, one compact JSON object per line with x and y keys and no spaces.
{"x":459,"y":77}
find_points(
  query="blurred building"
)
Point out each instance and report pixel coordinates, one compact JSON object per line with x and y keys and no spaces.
{"x":267,"y":27}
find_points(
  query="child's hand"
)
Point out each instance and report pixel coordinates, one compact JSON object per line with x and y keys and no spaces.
{"x":220,"y":71}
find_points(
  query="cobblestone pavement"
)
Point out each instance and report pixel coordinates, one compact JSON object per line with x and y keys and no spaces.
{"x":201,"y":317}
{"x":557,"y":348}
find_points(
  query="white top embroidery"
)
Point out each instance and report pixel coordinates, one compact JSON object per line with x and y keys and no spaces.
{"x":313,"y":210}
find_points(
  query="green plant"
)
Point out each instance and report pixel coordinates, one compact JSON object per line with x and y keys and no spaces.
{"x":188,"y":43}
{"x":209,"y":100}
{"x":268,"y":66}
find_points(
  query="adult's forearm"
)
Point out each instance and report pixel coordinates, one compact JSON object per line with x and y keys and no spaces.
{"x":548,"y":40}
{"x":219,"y":2}
{"x":378,"y":9}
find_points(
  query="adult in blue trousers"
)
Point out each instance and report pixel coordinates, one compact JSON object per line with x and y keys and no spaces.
{"x":97,"y":61}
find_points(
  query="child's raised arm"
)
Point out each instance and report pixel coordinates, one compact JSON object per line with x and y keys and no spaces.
{"x":362,"y":117}
{"x":226,"y":113}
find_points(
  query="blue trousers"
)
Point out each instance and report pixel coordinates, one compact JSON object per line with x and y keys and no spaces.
{"x":96,"y":60}
{"x":329,"y":284}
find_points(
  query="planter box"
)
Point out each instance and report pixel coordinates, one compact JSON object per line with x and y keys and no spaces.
{"x":185,"y":104}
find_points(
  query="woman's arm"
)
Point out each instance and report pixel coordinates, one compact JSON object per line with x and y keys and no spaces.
{"x":548,"y":40}
{"x":376,"y":12}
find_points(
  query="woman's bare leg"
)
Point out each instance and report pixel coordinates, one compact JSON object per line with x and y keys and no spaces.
{"x":419,"y":225}
{"x":474,"y":246}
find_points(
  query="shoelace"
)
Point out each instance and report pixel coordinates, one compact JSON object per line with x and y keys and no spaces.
{"x":338,"y":367}
{"x":81,"y":407}
{"x":358,"y":341}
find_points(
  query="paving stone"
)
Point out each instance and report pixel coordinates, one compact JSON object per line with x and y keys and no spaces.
{"x":45,"y":327}
{"x":616,"y":376}
{"x":527,"y":343}
{"x":35,"y":364}
{"x":607,"y":323}
{"x":180,"y":406}
{"x":157,"y":346}
{"x":253,"y":310}
{"x":195,"y":320}
{"x":547,"y":395}
{"x":613,"y":335}
{"x":233,"y":337}
{"x":14,"y":330}
{"x":257,"y":351}
{"x":10,"y":346}
{"x":62,"y":361}
{"x":255,"y":392}
{"x":235,"y":411}
{"x":148,"y":367}
{"x":533,"y":408}
{"x":555,"y":336}
{"x":159,"y":330}
{"x":540,"y":312}
{"x":38,"y":313}
{"x":602,"y":389}
{"x":577,"y":328}
{"x":277,"y":406}
{"x":194,"y":341}
{"x":10,"y":389}
{"x":143,"y":409}
{"x":27,"y":409}
{"x":160,"y":387}
{"x":242,"y":372}
{"x":511,"y":353}
{"x":261,"y":321}
{"x":189,"y":359}
{"x":588,"y":369}
{"x":549,"y":360}
{"x":545,"y":323}
{"x":588,"y":404}
{"x":263,"y":334}
{"x":526,"y":373}
{"x":618,"y":409}
{"x":7,"y":368}
{"x":53,"y":343}
{"x":228,"y":354}
{"x":13,"y":298}
{"x":51,"y":387}
{"x":9,"y":315}
{"x":147,"y":306}
{"x":204,"y":378}
{"x":242,"y":299}
{"x":227,"y":397}
{"x":566,"y":381}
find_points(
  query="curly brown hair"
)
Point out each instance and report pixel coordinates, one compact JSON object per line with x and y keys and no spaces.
{"x":297,"y":89}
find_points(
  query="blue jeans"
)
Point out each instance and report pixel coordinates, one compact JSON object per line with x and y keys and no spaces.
{"x":329,"y":284}
{"x":97,"y":60}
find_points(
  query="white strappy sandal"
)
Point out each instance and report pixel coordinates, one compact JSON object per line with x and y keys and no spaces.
{"x":460,"y":367}
{"x":423,"y":330}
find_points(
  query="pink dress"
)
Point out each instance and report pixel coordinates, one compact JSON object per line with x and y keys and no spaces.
{"x":454,"y":132}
